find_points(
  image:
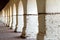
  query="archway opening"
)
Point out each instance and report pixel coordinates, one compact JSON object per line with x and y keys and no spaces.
{"x":3,"y":14}
{"x":20,"y":16}
{"x":14,"y":16}
{"x":32,"y":19}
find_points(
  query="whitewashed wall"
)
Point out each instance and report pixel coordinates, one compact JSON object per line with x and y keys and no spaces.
{"x":53,"y":21}
{"x":53,"y":27}
{"x":52,"y":6}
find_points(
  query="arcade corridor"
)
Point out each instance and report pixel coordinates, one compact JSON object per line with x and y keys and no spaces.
{"x":29,"y":19}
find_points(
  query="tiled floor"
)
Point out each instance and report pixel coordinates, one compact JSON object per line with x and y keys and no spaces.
{"x":8,"y":34}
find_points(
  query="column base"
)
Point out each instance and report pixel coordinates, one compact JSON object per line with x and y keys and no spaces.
{"x":15,"y":31}
{"x":23,"y":37}
{"x":7,"y":25}
{"x":10,"y":27}
{"x":40,"y":36}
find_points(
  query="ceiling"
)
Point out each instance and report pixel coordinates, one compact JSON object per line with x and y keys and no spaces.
{"x":3,"y":3}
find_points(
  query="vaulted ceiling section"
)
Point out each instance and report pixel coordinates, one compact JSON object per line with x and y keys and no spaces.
{"x":3,"y":3}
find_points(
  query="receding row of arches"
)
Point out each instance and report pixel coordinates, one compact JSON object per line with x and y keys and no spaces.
{"x":19,"y":17}
{"x":28,"y":17}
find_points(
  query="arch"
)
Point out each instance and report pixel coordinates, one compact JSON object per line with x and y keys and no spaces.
{"x":20,"y":8}
{"x":14,"y":9}
{"x":20,"y":16}
{"x":31,"y":7}
{"x":14,"y":16}
{"x":32,"y":22}
{"x":3,"y":16}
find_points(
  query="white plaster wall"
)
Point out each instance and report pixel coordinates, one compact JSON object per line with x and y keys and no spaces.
{"x":32,"y":20}
{"x":31,"y":7}
{"x":53,"y":21}
{"x":52,"y":6}
{"x":20,"y":17}
{"x":53,"y":27}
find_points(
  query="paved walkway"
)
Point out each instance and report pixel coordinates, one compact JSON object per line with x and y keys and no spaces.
{"x":8,"y":34}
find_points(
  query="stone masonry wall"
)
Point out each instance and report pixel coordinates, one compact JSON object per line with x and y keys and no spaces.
{"x":52,"y":27}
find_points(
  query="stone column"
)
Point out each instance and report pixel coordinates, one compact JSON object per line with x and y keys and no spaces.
{"x":16,"y":17}
{"x":41,"y":19}
{"x":23,"y":35}
{"x":6,"y":16}
{"x":11,"y":4}
{"x":9,"y":16}
{"x":12,"y":18}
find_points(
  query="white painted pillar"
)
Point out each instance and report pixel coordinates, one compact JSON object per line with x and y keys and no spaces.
{"x":32,"y":20}
{"x":52,"y":21}
{"x":14,"y":16}
{"x":20,"y":17}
